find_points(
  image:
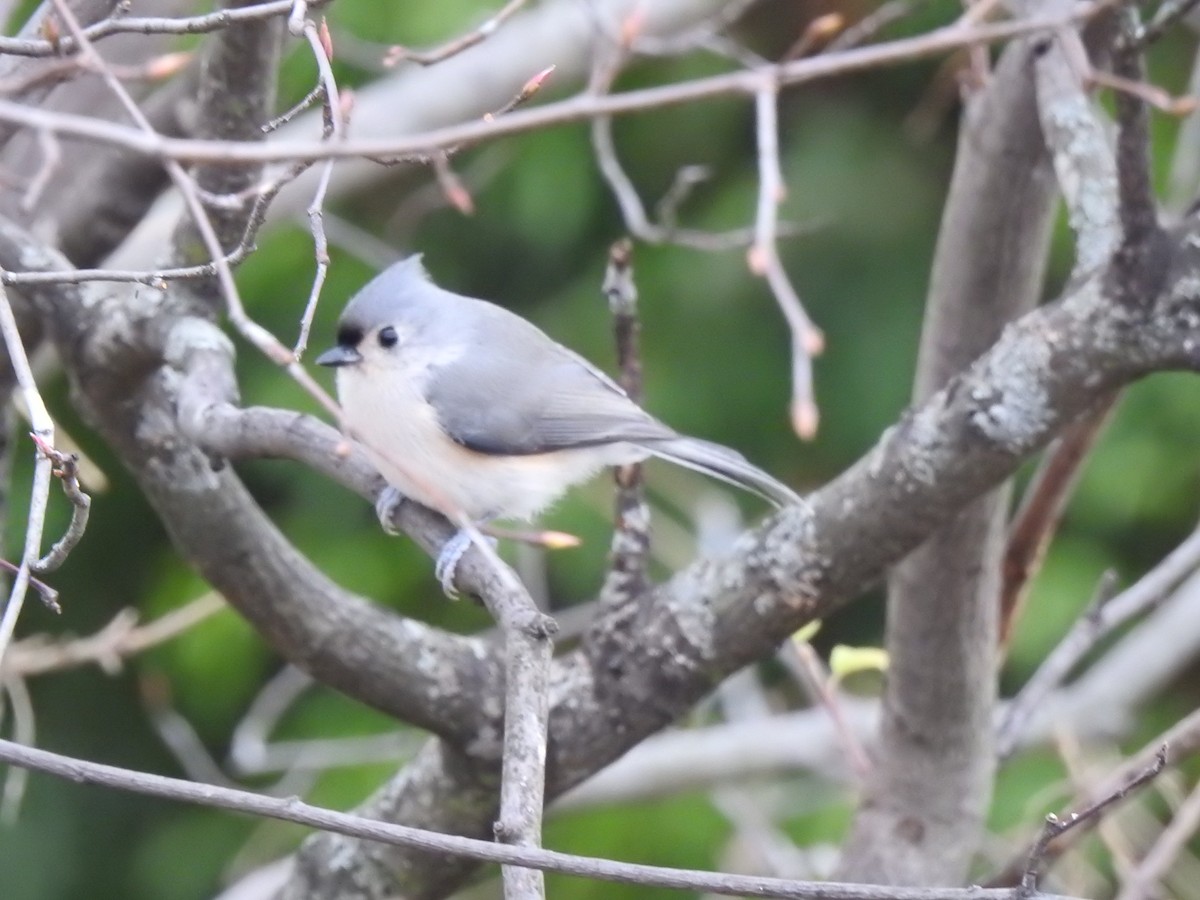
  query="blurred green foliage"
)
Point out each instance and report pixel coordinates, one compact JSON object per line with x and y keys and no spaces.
{"x":867,"y":196}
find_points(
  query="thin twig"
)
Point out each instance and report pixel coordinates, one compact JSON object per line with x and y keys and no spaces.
{"x":333,"y":129}
{"x":1167,"y":14}
{"x":581,"y":107}
{"x":1109,"y":831}
{"x":153,"y":278}
{"x":48,"y":595}
{"x":870,"y":25}
{"x":1160,"y":99}
{"x":1056,"y":826}
{"x":763,"y":257}
{"x":1099,"y":621}
{"x":630,"y":546}
{"x":203,"y":24}
{"x":51,"y":158}
{"x":66,"y":469}
{"x":120,"y":639}
{"x":253,"y":751}
{"x":398,"y":54}
{"x":300,"y":106}
{"x":293,"y":810}
{"x":633,"y":211}
{"x":801,"y":660}
{"x":179,"y":736}
{"x":523,"y":96}
{"x":452,"y":186}
{"x":1041,"y":510}
{"x":43,"y":428}
{"x":1184,"y":740}
{"x":24,"y":731}
{"x":158,"y":68}
{"x":1144,"y":880}
{"x":259,"y":336}
{"x":817,"y":33}
{"x":439,"y":155}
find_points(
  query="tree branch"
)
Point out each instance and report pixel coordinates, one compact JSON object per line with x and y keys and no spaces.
{"x":293,"y":810}
{"x":580,"y":108}
{"x":926,"y":797}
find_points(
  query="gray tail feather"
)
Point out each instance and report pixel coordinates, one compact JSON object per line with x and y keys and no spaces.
{"x":727,"y":465}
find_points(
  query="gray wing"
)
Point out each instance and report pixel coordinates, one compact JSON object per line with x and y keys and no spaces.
{"x":518,"y":392}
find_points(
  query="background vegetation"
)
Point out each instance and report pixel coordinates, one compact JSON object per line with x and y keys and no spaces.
{"x":867,"y":161}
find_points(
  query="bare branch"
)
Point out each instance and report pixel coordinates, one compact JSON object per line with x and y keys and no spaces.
{"x":870,"y":25}
{"x":253,"y":750}
{"x":43,"y":429}
{"x":67,"y":471}
{"x":488,"y":27}
{"x":1037,"y":519}
{"x":1056,"y":826}
{"x":293,"y":810}
{"x":1081,"y":149}
{"x":630,"y":545}
{"x":215,"y":21}
{"x":1137,"y":267}
{"x":24,"y":730}
{"x":807,"y":340}
{"x":935,"y":763}
{"x":579,"y":108}
{"x":1099,"y":621}
{"x":523,"y":771}
{"x":48,"y":595}
{"x":116,"y":641}
{"x":633,"y":211}
{"x":1167,"y":14}
{"x":1144,"y":880}
{"x":334,"y":129}
{"x":802,"y":661}
{"x":1182,"y":739}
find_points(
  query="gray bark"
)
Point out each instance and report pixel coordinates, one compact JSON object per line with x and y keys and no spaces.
{"x":922,"y":813}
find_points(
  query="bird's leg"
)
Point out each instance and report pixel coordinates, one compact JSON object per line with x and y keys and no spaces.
{"x":448,"y":558}
{"x":386,"y":504}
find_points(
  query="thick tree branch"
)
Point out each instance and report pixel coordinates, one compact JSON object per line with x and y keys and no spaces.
{"x":929,"y":791}
{"x":1138,"y":265}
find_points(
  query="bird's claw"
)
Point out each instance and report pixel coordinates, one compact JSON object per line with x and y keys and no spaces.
{"x":446,"y":566}
{"x":386,"y":504}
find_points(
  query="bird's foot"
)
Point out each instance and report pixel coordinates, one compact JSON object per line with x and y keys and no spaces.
{"x":447,"y":561}
{"x":386,"y":504}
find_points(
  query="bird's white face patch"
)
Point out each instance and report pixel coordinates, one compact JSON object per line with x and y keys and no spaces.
{"x":407,"y":358}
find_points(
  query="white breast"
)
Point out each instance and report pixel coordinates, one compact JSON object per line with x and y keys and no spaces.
{"x":400,"y":432}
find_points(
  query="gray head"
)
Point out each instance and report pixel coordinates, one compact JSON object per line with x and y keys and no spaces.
{"x":396,"y":305}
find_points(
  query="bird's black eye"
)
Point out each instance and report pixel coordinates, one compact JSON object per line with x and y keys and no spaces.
{"x":388,"y":336}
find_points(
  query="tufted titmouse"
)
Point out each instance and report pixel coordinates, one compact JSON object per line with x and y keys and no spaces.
{"x":466,"y":407}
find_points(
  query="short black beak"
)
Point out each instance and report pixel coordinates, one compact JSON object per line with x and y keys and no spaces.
{"x":339,"y":356}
